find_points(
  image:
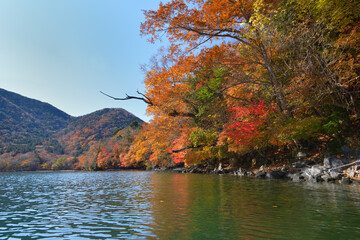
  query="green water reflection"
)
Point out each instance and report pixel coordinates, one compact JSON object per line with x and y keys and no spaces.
{"x":225,"y":207}
{"x":155,"y":205}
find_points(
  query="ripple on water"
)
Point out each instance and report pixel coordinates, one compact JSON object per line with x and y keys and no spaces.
{"x":145,"y":205}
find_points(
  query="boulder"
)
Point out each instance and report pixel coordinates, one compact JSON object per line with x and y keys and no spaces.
{"x":228,"y":171}
{"x":180,"y":170}
{"x":218,"y":171}
{"x":332,"y":162}
{"x":347,"y":151}
{"x":319,"y":178}
{"x":357,"y":167}
{"x":295,"y":177}
{"x":277,"y":174}
{"x":241,"y":172}
{"x":352,"y":174}
{"x":326,"y":178}
{"x":313,"y":173}
{"x":335,"y":174}
{"x":260,"y":174}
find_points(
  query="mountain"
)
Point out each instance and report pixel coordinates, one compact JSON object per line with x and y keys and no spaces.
{"x":97,"y":126}
{"x":26,"y":122}
{"x":34,"y":133}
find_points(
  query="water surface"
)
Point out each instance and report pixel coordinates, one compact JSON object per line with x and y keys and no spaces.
{"x":153,"y":205}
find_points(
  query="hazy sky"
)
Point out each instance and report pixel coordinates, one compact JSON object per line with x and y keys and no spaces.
{"x":65,"y":51}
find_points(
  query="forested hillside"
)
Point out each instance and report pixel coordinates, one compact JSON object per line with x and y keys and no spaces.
{"x":26,"y":123}
{"x":251,"y":82}
{"x":35,"y":135}
{"x":242,"y":83}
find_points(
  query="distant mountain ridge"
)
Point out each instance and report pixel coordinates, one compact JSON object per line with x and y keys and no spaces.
{"x":24,"y":109}
{"x":31,"y":126}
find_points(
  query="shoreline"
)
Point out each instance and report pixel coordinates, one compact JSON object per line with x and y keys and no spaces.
{"x":331,"y":169}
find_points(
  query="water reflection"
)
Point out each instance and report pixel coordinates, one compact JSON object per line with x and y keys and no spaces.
{"x":224,"y":207}
{"x":148,"y":205}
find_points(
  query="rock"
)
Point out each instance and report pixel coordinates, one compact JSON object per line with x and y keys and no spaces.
{"x":277,"y":174}
{"x":352,"y":174}
{"x":316,"y":170}
{"x":305,"y":171}
{"x":180,"y":170}
{"x":227,"y":171}
{"x":219,"y":167}
{"x":241,"y":172}
{"x":347,"y":151}
{"x":345,"y":180}
{"x":327,"y":163}
{"x":260,"y":174}
{"x":285,"y":168}
{"x":218,"y":171}
{"x":330,"y":162}
{"x":326,"y":178}
{"x":313,"y":173}
{"x":335,"y":174}
{"x":319,"y":178}
{"x":295,"y":177}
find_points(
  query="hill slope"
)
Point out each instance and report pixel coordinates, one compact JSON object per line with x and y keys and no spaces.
{"x":34,"y":134}
{"x":101,"y":125}
{"x":26,"y":122}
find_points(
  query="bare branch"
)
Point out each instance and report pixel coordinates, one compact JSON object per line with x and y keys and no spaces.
{"x":144,"y":98}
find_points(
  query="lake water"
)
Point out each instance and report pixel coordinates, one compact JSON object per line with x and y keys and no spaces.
{"x":158,"y":205}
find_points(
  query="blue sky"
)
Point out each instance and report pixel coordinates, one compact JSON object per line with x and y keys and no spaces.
{"x":65,"y":51}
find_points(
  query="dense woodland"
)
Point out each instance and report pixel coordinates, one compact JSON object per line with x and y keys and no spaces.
{"x":250,"y":82}
{"x":242,"y":82}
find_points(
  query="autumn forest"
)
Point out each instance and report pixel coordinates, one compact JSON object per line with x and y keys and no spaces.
{"x":248,"y":82}
{"x":243,"y":83}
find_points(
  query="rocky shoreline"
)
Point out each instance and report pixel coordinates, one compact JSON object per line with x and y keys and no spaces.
{"x":329,"y":169}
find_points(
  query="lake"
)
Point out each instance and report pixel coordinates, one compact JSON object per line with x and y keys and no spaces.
{"x":164,"y":205}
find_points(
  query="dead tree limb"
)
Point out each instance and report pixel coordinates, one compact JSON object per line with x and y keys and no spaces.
{"x":345,"y":165}
{"x":143,"y":98}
